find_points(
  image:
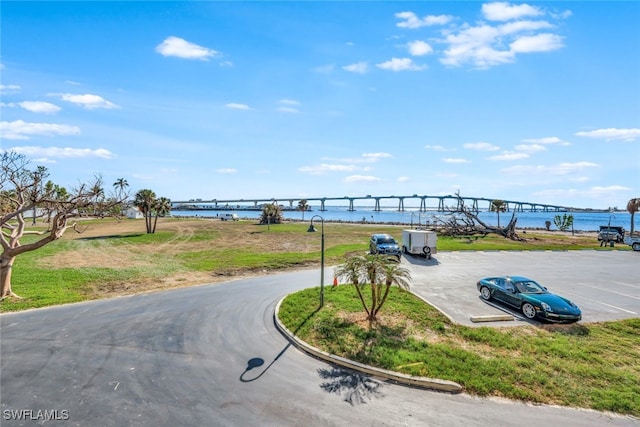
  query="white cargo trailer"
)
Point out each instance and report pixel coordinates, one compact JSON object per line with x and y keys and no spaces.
{"x":419,"y":242}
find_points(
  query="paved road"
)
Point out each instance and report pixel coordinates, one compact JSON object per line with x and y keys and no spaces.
{"x":181,"y":358}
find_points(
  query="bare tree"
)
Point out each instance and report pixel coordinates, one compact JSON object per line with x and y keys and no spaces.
{"x":22,"y":190}
{"x":462,"y":221}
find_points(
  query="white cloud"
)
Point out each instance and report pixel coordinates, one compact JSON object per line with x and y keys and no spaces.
{"x":530,"y":148}
{"x":9,"y":88}
{"x":474,"y":45}
{"x":509,"y":156}
{"x":436,"y":148}
{"x":410,"y":20}
{"x":236,"y":106}
{"x":560,"y":169}
{"x":612,"y":134}
{"x":288,"y":106}
{"x":376,"y":156}
{"x":226,"y":170}
{"x":361,"y":178}
{"x":547,"y":140}
{"x":64,"y":152}
{"x":175,"y":46}
{"x":87,"y":101}
{"x":455,"y":160}
{"x":404,"y":179}
{"x":364,"y":158}
{"x":400,"y":64}
{"x":610,"y":188}
{"x":520,"y":26}
{"x":481,"y":146}
{"x":538,"y":43}
{"x":580,"y":179}
{"x":24,"y":130}
{"x":419,"y":48}
{"x":325,"y":168}
{"x":39,"y":107}
{"x":486,"y":45}
{"x":503,"y":11}
{"x":358,"y":68}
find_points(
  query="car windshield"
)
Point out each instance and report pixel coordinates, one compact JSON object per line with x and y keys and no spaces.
{"x":386,"y":240}
{"x":530,"y":287}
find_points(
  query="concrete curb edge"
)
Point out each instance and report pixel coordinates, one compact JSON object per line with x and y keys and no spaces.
{"x":422,"y":382}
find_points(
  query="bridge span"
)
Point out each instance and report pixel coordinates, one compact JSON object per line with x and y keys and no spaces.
{"x":423,"y":202}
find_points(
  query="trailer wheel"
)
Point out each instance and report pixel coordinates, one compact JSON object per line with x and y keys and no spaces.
{"x":427,"y":252}
{"x":404,"y":249}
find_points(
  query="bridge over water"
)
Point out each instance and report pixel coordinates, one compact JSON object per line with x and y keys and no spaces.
{"x":423,"y":202}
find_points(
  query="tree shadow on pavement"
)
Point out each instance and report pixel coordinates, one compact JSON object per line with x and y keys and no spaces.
{"x":355,"y":388}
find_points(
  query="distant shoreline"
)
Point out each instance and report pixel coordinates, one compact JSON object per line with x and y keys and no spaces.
{"x":405,"y":224}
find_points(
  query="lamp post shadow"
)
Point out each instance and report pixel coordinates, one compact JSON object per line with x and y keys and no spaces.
{"x":257,"y":362}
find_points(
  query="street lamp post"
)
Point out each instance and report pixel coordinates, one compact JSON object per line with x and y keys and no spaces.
{"x":312,"y":229}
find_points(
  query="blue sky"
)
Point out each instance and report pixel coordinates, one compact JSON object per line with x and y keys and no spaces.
{"x":536,"y":102}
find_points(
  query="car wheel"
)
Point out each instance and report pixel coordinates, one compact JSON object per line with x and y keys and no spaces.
{"x":485,"y":293}
{"x":636,"y":246}
{"x":528,"y":310}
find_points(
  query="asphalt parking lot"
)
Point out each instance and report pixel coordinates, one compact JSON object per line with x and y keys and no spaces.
{"x":604,"y":284}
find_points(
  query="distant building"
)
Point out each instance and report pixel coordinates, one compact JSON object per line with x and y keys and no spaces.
{"x":133,"y":213}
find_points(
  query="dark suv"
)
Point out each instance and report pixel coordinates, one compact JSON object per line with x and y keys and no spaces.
{"x":384,"y":244}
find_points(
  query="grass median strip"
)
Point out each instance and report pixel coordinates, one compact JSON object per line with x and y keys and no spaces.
{"x":592,"y":366}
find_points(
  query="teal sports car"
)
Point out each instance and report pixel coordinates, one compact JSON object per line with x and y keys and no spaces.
{"x":530,"y":297}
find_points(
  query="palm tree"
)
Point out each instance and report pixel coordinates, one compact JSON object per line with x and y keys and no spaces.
{"x":120,"y":186}
{"x":498,"y":206}
{"x":271,"y":214}
{"x":393,"y":274}
{"x":303,"y":206}
{"x":351,"y":271}
{"x":633,"y":206}
{"x":144,"y":200}
{"x":379,"y":273}
{"x":162,"y":207}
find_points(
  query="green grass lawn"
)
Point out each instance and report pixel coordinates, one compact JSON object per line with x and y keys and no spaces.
{"x":583,"y":365}
{"x":222,"y":249}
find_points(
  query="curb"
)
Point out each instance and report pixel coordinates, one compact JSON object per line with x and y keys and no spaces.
{"x":422,"y":382}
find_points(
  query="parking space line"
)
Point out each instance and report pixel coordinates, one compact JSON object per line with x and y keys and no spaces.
{"x":600,"y":302}
{"x":634,"y":285}
{"x":612,"y":292}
